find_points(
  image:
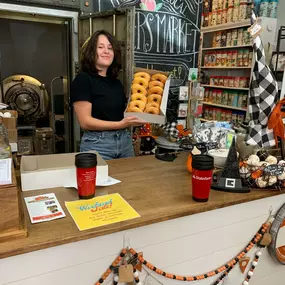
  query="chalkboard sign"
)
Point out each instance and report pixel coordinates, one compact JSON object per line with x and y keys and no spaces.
{"x":167,"y":35}
{"x":273,"y":170}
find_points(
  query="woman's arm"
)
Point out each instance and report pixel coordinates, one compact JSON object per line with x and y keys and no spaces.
{"x":83,"y":111}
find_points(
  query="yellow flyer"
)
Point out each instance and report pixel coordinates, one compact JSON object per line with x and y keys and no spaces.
{"x":100,"y":211}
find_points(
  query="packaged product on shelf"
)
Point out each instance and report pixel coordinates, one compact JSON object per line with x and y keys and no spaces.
{"x":210,"y":97}
{"x":206,"y":95}
{"x":206,"y":59}
{"x":213,"y":59}
{"x":206,"y":113}
{"x":240,"y":58}
{"x":246,"y":38}
{"x":219,"y":97}
{"x":243,"y":82}
{"x":224,"y":100}
{"x":231,"y":81}
{"x":240,"y":98}
{"x":206,"y":6}
{"x":245,"y":60}
{"x":236,"y":81}
{"x":234,"y":116}
{"x":214,"y":18}
{"x":215,"y":5}
{"x":235,"y":99}
{"x":214,"y":114}
{"x":210,"y":112}
{"x":250,"y":58}
{"x":234,"y":58}
{"x":229,"y":38}
{"x":249,"y":9}
{"x":230,"y":14}
{"x":263,"y":8}
{"x":272,"y":9}
{"x":216,"y":80}
{"x":224,"y":58}
{"x":231,"y":96}
{"x":218,"y":114}
{"x":231,"y":2}
{"x":214,"y":96}
{"x":225,"y":4}
{"x":229,"y":58}
{"x":218,"y":38}
{"x":223,"y":39}
{"x":220,"y":4}
{"x":226,"y":81}
{"x":236,"y":13}
{"x":234,"y":37}
{"x":212,"y":80}
{"x":228,"y":115}
{"x":244,"y":101}
{"x":242,"y":11}
{"x":236,"y":2}
{"x":219,"y":17}
{"x":218,"y":58}
{"x":240,"y":37}
{"x":210,"y":19}
{"x":240,"y":117}
{"x":221,"y":81}
{"x":205,"y":18}
{"x":214,"y":42}
{"x":224,"y":16}
{"x":223,"y":115}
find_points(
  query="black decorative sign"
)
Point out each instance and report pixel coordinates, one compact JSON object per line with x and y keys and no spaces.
{"x":273,"y":170}
{"x":203,"y":147}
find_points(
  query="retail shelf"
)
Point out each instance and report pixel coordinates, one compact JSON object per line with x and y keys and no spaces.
{"x":224,"y":87}
{"x":226,"y":67}
{"x":224,"y":106}
{"x":229,"y":47}
{"x":245,"y":23}
{"x":204,"y":120}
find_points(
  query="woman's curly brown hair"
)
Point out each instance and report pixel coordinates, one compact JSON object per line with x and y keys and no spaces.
{"x":88,"y":55}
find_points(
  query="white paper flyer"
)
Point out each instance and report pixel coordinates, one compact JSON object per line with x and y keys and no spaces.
{"x":44,"y":208}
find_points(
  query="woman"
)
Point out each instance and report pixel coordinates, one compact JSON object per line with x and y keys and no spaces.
{"x":99,"y":100}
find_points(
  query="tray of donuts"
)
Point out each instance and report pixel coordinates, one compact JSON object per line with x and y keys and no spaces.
{"x":149,"y":95}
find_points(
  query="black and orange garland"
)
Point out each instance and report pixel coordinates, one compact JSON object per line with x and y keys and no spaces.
{"x":225,"y":269}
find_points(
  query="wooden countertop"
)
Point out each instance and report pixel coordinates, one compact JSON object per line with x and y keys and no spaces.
{"x":157,"y":190}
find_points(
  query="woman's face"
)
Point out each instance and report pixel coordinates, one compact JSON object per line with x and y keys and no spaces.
{"x":104,"y":53}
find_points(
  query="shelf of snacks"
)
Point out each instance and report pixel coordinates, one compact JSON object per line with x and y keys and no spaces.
{"x":238,"y":82}
{"x":225,"y":67}
{"x":226,"y":47}
{"x":224,"y":106}
{"x":224,"y":87}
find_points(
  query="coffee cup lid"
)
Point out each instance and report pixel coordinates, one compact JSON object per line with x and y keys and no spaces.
{"x":202,"y":162}
{"x":85,"y":160}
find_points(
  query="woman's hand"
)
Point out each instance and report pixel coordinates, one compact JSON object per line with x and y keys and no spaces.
{"x":131,"y":122}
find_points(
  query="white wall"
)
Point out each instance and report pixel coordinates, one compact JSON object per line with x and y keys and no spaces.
{"x":189,"y":245}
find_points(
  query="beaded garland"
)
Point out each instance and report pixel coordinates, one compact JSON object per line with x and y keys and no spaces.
{"x":225,"y":269}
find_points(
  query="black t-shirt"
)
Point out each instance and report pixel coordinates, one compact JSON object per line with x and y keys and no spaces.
{"x":104,"y":93}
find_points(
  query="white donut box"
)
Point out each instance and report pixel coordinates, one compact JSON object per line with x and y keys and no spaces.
{"x":150,"y":118}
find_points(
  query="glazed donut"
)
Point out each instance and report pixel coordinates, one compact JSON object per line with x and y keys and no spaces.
{"x":144,"y":75}
{"x":138,"y":103}
{"x":136,"y":88}
{"x":134,"y":109}
{"x":154,"y":98}
{"x":155,"y":90}
{"x":152,"y":110}
{"x":159,"y":77}
{"x":141,"y":81}
{"x":155,"y":83}
{"x":152,"y":104}
{"x":138,"y":96}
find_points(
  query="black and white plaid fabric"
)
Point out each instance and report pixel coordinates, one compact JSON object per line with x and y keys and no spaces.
{"x":262,"y":99}
{"x":170,"y":129}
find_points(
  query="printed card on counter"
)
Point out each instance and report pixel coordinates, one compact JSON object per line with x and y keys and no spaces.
{"x":100,"y":211}
{"x":44,"y":208}
{"x":5,"y":171}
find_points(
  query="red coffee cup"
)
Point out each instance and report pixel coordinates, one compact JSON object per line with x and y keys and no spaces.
{"x":86,"y":164}
{"x":202,"y":172}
